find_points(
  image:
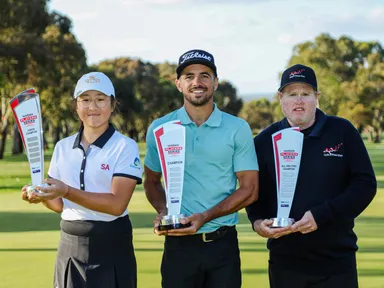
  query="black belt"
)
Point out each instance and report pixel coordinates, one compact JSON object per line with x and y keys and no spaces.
{"x":215,"y":235}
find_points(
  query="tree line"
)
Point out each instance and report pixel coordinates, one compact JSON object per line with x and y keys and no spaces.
{"x":38,"y":49}
{"x":350,"y":78}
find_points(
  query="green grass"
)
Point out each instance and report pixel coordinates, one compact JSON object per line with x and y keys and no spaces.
{"x":29,"y":235}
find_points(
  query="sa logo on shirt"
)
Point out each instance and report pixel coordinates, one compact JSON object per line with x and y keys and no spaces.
{"x":136,"y":163}
{"x":104,"y":167}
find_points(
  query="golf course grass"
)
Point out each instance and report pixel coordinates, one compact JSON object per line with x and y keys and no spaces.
{"x":29,"y":235}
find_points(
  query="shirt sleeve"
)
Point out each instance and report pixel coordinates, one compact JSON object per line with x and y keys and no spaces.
{"x":152,"y":160}
{"x":53,"y":171}
{"x":265,"y":206}
{"x":129,"y":164}
{"x":361,"y":188}
{"x":244,"y":157}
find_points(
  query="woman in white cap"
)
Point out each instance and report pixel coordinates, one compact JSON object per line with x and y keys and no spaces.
{"x":92,"y":176}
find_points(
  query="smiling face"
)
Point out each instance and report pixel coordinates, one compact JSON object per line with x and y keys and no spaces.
{"x":94,"y":109}
{"x":197,"y":83}
{"x":298,"y":103}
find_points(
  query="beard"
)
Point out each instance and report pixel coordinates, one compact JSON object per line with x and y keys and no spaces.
{"x":199,"y":101}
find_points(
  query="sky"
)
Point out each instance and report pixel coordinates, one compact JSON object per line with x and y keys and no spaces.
{"x":251,"y":40}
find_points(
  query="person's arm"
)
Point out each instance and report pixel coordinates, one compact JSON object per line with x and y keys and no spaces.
{"x":259,"y":211}
{"x":113,"y":203}
{"x":362,"y":184}
{"x":246,"y":169}
{"x":246,"y":194}
{"x":55,"y":205}
{"x":154,"y":190}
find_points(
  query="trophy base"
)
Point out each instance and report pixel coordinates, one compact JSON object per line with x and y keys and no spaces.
{"x":32,"y":188}
{"x":169,"y":222}
{"x":282,"y":222}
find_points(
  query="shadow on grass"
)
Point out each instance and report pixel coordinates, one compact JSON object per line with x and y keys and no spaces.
{"x":15,"y":187}
{"x":371,"y":272}
{"x":371,"y":220}
{"x":362,"y":272}
{"x":28,"y":249}
{"x":378,"y":249}
{"x":24,"y":222}
{"x":254,"y":271}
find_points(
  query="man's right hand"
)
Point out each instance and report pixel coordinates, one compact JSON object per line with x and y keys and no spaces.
{"x":263,"y":228}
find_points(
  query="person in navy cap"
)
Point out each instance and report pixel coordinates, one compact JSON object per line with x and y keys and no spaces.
{"x":336,"y":182}
{"x":92,"y":176}
{"x":219,"y":151}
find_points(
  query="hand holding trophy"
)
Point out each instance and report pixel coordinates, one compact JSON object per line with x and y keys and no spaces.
{"x":287,"y":148}
{"x":27,"y":113}
{"x":170,"y":142}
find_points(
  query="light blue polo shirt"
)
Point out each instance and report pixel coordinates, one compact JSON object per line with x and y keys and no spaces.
{"x":216,"y":150}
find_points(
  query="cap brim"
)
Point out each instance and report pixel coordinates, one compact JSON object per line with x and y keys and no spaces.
{"x":181,"y":67}
{"x":95,"y":89}
{"x":282,"y":87}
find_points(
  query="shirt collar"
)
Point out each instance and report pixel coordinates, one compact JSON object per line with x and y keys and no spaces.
{"x":214,"y":119}
{"x":99,"y":142}
{"x":321,"y":118}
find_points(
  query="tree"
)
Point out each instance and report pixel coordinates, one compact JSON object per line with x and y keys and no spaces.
{"x":21,"y":26}
{"x":258,"y":113}
{"x":226,"y":98}
{"x":349,"y":73}
{"x":57,"y":79}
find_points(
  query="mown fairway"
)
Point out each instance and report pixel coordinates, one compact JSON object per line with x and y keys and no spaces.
{"x":29,"y":235}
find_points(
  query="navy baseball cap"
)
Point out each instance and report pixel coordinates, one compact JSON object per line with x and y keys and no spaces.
{"x":298,"y":74}
{"x":196,"y":56}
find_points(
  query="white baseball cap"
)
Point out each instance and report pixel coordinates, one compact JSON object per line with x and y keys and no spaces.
{"x":94,"y":81}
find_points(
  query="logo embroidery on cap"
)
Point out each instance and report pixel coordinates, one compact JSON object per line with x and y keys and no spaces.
{"x":331,"y":151}
{"x":92,"y":80}
{"x":194,"y":54}
{"x":296,"y":73}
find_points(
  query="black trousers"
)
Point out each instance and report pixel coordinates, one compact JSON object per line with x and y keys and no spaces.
{"x":188,"y":262}
{"x":283,"y":278}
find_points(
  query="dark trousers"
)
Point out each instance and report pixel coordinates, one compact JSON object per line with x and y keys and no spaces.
{"x":284,"y":278}
{"x":96,"y":254}
{"x":189,"y":262}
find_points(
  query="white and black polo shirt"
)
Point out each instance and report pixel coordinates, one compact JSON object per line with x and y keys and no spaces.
{"x":111,"y":155}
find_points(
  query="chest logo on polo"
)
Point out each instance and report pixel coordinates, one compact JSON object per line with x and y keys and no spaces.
{"x":333,"y":151}
{"x":104,"y":167}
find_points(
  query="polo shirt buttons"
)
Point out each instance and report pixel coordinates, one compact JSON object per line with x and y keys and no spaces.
{"x":82,"y":171}
{"x":82,"y":185}
{"x":197,"y":138}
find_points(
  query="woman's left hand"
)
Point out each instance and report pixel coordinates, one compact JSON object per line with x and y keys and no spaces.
{"x":56,"y":189}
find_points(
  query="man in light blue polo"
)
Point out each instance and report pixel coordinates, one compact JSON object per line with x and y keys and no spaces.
{"x":219,"y":151}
